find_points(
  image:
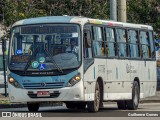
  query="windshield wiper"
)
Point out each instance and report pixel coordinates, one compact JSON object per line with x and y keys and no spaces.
{"x":31,"y":58}
{"x":53,"y":61}
{"x":50,"y":56}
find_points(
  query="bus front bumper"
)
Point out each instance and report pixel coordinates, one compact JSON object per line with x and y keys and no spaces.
{"x":74,"y":93}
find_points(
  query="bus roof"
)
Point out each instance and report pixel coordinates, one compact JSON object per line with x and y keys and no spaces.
{"x":80,"y":20}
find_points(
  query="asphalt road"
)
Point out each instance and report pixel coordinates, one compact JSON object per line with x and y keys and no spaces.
{"x":109,"y":110}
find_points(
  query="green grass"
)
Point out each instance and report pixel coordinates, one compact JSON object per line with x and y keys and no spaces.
{"x":5,"y":102}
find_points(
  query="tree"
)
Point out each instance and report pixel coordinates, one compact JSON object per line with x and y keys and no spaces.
{"x":21,"y":9}
{"x":138,"y":11}
{"x":144,"y":12}
{"x":1,"y":10}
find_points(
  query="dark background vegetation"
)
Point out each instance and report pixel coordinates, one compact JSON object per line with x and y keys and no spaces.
{"x":138,"y":11}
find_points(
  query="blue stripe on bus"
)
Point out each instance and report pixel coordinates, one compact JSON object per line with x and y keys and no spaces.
{"x":48,"y":19}
{"x":94,"y":73}
{"x":148,"y":74}
{"x":116,"y":73}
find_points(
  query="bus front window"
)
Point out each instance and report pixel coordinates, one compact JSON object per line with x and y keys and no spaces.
{"x":45,"y":48}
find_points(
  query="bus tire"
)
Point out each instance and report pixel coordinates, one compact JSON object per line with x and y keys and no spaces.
{"x":93,"y":106}
{"x":121,"y":104}
{"x":101,"y":106}
{"x":133,"y":103}
{"x":33,"y":107}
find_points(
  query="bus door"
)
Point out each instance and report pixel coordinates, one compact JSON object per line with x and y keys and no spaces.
{"x":88,"y":62}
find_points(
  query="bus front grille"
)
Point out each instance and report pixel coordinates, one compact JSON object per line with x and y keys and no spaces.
{"x":43,"y":85}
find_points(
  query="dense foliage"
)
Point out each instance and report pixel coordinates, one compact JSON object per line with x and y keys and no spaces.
{"x":138,"y":11}
{"x":145,"y":12}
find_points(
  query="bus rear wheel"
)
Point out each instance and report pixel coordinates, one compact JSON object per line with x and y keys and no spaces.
{"x":93,"y":106}
{"x":33,"y":107}
{"x":133,"y":103}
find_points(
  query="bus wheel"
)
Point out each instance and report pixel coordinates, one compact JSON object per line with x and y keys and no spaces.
{"x":133,"y":104}
{"x":70,"y":105}
{"x":121,"y":104}
{"x":33,"y":107}
{"x":93,"y":106}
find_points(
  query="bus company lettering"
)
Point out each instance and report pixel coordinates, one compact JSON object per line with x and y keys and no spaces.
{"x":42,"y":73}
{"x":59,"y":80}
{"x":26,"y":81}
{"x":101,"y":68}
{"x":130,"y":69}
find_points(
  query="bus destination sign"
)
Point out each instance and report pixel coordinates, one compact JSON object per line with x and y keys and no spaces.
{"x":20,"y":58}
{"x":48,"y":29}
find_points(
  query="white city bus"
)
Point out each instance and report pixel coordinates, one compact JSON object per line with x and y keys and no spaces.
{"x":110,"y":61}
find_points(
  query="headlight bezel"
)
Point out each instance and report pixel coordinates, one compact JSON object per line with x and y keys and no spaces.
{"x":13,"y":82}
{"x":74,"y":80}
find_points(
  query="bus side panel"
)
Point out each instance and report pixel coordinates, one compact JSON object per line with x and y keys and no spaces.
{"x":151,"y":73}
{"x":136,"y":70}
{"x":95,"y":71}
{"x":150,"y":83}
{"x":118,"y":85}
{"x":145,"y":71}
{"x":89,"y":84}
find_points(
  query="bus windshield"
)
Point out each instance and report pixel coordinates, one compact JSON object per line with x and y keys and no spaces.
{"x":45,"y":47}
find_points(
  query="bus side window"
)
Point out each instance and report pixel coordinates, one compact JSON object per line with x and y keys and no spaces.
{"x":87,"y":44}
{"x":121,"y":40}
{"x":110,"y":46}
{"x":98,"y":42}
{"x":144,"y":39}
{"x":151,"y":40}
{"x":133,"y":44}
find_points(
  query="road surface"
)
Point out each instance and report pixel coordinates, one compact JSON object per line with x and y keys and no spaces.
{"x":109,"y":110}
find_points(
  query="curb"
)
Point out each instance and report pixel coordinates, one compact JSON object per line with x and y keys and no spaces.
{"x":150,"y":101}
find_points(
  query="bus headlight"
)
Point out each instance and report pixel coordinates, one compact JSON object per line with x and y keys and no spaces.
{"x":13,"y":82}
{"x":10,"y":80}
{"x":74,"y":80}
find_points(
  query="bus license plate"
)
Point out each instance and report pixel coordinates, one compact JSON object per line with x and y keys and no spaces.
{"x":43,"y":93}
